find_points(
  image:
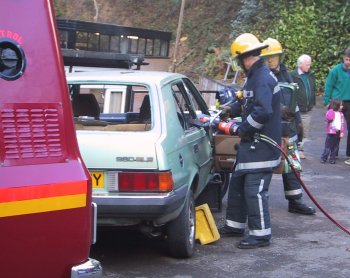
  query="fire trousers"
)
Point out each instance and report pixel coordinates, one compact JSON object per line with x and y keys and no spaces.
{"x":292,"y":187}
{"x":248,"y":199}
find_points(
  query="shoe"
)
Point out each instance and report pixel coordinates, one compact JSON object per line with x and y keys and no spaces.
{"x":299,"y":207}
{"x":347,"y":162}
{"x":323,"y":161}
{"x":251,"y":243}
{"x":227,"y":231}
{"x":301,"y":155}
{"x":332,"y":162}
{"x":300,"y":146}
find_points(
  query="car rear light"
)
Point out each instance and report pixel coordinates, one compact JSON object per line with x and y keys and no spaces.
{"x":145,"y":182}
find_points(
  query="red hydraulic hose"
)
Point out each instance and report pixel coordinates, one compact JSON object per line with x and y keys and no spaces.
{"x":272,"y":142}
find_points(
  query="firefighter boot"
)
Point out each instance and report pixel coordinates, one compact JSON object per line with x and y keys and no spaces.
{"x":251,"y":243}
{"x":227,"y":231}
{"x":298,"y":206}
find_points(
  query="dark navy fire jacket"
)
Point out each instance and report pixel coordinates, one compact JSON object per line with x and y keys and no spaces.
{"x":261,"y":114}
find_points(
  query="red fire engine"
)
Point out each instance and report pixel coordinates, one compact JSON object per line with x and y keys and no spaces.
{"x":46,"y":214}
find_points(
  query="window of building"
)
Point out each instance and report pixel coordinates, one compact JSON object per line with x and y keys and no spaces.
{"x":93,"y":41}
{"x":163,"y":48}
{"x":104,"y":43}
{"x":149,"y":47}
{"x":142,"y":46}
{"x":115,"y":44}
{"x":133,"y":44}
{"x":156,"y":48}
{"x":124,"y":44}
{"x":64,"y":38}
{"x":81,"y":40}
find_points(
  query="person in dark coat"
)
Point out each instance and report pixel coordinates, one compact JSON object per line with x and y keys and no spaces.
{"x":306,"y":94}
{"x":304,"y":77}
{"x":260,"y":113}
{"x":273,"y":59}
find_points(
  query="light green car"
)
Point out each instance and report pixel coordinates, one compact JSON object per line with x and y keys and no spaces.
{"x":142,"y":137}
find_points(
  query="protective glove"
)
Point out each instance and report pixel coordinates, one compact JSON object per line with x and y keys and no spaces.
{"x":244,"y":136}
{"x":225,"y":112}
{"x":286,"y":114}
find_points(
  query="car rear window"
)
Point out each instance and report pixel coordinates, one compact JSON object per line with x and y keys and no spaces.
{"x":111,"y":107}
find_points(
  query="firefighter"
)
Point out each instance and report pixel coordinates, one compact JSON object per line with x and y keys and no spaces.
{"x":260,"y":112}
{"x":291,"y":114}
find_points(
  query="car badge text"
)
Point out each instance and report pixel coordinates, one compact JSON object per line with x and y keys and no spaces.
{"x":133,"y":159}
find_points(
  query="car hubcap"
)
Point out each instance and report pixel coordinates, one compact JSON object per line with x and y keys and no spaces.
{"x":191,"y":225}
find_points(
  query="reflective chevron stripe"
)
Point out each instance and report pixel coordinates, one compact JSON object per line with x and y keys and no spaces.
{"x":42,"y":198}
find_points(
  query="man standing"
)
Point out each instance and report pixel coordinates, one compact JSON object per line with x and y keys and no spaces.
{"x":273,"y":59}
{"x":306,"y":95}
{"x":338,"y":87}
{"x":256,"y":159}
{"x":304,"y":77}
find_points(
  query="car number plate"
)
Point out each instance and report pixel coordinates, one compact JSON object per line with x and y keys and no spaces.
{"x":98,"y":179}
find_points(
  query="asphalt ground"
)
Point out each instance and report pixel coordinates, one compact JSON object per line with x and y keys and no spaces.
{"x":301,"y":245}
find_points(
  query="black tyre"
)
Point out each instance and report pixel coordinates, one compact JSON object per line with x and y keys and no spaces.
{"x":181,"y":231}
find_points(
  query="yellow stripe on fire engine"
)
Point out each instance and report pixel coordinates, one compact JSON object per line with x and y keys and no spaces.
{"x":42,"y":205}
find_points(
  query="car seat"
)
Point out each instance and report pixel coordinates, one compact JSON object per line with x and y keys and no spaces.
{"x":86,"y":105}
{"x":145,"y":110}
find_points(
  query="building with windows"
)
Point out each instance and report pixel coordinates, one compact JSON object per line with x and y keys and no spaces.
{"x":91,"y":44}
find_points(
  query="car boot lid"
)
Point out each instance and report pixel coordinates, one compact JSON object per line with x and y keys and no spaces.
{"x":118,"y":150}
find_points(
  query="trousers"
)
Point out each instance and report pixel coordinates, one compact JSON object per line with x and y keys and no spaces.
{"x":292,"y":187}
{"x":331,"y":147}
{"x":346,"y":112}
{"x":248,"y":200}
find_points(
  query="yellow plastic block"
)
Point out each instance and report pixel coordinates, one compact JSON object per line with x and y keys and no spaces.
{"x":206,"y":230}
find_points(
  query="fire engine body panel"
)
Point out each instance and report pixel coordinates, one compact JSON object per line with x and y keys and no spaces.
{"x":46,"y":226}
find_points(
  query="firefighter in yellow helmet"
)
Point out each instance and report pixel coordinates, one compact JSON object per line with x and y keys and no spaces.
{"x":292,"y":117}
{"x":246,"y":45}
{"x":260,"y":113}
{"x":273,"y":53}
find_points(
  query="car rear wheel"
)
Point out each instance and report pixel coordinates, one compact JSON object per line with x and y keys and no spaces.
{"x":181,"y":231}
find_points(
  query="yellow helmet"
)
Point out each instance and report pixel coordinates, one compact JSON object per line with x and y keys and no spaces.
{"x":245,"y":43}
{"x":274,"y":48}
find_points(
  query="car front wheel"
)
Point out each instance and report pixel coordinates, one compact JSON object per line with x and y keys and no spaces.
{"x":181,"y":231}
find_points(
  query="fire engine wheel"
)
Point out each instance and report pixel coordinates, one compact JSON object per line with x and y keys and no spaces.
{"x":181,"y":231}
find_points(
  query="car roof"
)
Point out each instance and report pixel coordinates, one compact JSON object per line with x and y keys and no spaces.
{"x":137,"y":76}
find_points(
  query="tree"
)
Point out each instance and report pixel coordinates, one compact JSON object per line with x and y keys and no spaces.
{"x":319,"y":28}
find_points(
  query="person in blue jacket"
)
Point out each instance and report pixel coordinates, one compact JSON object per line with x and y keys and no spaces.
{"x":256,"y":159}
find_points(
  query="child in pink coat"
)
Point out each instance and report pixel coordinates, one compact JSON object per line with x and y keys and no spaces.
{"x":335,"y":130}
